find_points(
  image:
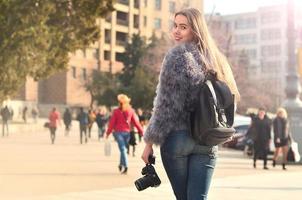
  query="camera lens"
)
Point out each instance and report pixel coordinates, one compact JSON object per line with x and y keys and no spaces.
{"x":141,"y":184}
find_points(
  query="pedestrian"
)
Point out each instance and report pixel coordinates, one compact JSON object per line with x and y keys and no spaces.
{"x":24,"y":114}
{"x":132,"y":141}
{"x":67,"y":118}
{"x":54,"y":121}
{"x":120,"y":123}
{"x":189,"y":166}
{"x":91,"y":119}
{"x":34,"y":114}
{"x":142,"y":120}
{"x":82,"y":117}
{"x":102,"y":119}
{"x":262,"y":128}
{"x":5,"y":114}
{"x":281,"y":136}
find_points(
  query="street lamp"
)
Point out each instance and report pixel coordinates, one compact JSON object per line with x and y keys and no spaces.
{"x":292,"y":103}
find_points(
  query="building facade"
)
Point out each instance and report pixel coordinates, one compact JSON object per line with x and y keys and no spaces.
{"x":130,"y":17}
{"x":262,"y":37}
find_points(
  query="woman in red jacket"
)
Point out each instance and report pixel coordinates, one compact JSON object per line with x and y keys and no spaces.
{"x":120,"y":123}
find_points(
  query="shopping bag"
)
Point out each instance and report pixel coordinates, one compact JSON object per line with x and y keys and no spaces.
{"x":107,"y":148}
{"x":293,"y":153}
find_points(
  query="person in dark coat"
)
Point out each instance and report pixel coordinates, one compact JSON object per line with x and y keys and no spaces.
{"x":5,"y":114}
{"x":67,"y":120}
{"x":281,"y":136}
{"x":102,"y":118}
{"x":82,"y":117}
{"x":262,"y":128}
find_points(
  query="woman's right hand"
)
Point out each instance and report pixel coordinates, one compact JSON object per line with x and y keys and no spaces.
{"x":148,"y":150}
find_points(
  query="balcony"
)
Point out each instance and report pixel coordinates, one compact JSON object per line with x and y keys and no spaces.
{"x":121,"y":38}
{"x":122,"y":18}
{"x":124,"y":2}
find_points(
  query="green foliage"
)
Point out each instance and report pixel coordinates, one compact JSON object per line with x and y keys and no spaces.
{"x":139,"y":77}
{"x":36,"y":36}
{"x":103,"y":88}
{"x":134,"y":51}
{"x":142,"y":88}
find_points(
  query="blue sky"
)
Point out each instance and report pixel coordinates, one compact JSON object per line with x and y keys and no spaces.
{"x":240,"y":6}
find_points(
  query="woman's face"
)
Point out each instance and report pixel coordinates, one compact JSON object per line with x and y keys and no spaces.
{"x":182,"y":31}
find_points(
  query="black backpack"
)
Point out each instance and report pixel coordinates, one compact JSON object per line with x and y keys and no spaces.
{"x":213,"y":115}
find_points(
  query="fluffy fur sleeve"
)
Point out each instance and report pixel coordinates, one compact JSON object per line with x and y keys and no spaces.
{"x":178,"y":72}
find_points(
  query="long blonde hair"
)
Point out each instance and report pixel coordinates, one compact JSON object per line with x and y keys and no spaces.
{"x":124,"y":102}
{"x":211,"y":55}
{"x":282,"y":113}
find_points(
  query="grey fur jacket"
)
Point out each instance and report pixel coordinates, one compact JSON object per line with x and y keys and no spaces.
{"x":176,"y":91}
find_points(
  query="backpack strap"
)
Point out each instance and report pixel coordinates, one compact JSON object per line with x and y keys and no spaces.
{"x":210,"y":86}
{"x":220,"y":112}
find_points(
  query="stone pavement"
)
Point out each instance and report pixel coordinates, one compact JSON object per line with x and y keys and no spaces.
{"x":270,"y":186}
{"x":33,"y":169}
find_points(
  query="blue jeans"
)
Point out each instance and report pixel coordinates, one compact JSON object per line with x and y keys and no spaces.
{"x":122,"y":139}
{"x":189,"y":166}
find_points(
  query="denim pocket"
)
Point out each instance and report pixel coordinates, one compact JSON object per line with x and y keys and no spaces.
{"x":206,"y":150}
{"x":177,"y":144}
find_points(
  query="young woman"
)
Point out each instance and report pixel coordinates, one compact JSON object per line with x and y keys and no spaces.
{"x":281,"y":136}
{"x":54,"y":121}
{"x":189,"y":166}
{"x":120,"y":122}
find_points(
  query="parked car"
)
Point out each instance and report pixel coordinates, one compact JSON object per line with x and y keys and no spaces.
{"x":241,"y":125}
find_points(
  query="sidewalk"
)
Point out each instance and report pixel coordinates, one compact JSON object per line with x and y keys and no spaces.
{"x":270,"y":186}
{"x":33,"y":169}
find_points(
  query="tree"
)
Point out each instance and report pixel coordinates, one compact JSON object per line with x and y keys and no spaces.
{"x":103,"y":88}
{"x":37,"y":36}
{"x":142,"y":88}
{"x":134,"y":51}
{"x":155,"y":53}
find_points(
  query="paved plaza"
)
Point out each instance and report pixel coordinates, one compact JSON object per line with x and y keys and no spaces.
{"x":33,"y":169}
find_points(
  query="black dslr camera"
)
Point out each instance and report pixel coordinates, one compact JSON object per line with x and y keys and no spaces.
{"x":150,"y":178}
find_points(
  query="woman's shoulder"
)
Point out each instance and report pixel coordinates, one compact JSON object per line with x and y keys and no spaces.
{"x":181,"y":49}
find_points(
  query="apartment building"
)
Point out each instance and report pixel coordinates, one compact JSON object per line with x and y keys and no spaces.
{"x":131,"y":16}
{"x":262,"y":37}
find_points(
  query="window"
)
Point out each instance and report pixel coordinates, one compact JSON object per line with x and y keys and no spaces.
{"x":157,"y":23}
{"x":145,"y":3}
{"x":158,"y":4}
{"x":107,"y":36}
{"x":121,"y":38}
{"x":135,"y":21}
{"x":136,"y":3}
{"x":172,"y":7}
{"x":270,"y":50}
{"x":245,"y":39}
{"x":245,"y":23}
{"x":106,"y":55}
{"x":252,"y":53}
{"x":270,"y":34}
{"x":122,"y":18}
{"x":74,"y":72}
{"x":84,"y":73}
{"x":270,"y":17}
{"x":271,"y":66}
{"x":125,"y":2}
